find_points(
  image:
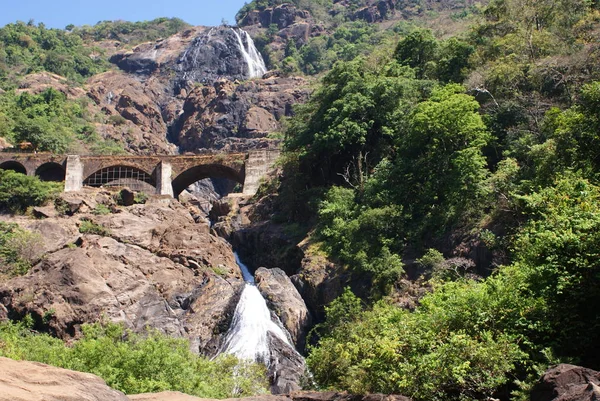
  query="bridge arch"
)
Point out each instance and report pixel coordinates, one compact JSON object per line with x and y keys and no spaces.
{"x":14,"y":166}
{"x":202,"y":171}
{"x":51,"y":171}
{"x":122,"y":175}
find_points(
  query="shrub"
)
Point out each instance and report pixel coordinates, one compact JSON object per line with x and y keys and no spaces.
{"x":135,"y":363}
{"x":18,"y":191}
{"x":101,"y":210}
{"x":19,"y":249}
{"x":89,"y":227}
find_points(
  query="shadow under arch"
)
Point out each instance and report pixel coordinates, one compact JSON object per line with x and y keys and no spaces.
{"x":197,"y":173}
{"x":14,"y":166}
{"x":122,"y":176}
{"x":51,"y":171}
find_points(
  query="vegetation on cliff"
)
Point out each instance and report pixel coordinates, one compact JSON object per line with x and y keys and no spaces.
{"x":74,"y":52}
{"x":391,"y":158}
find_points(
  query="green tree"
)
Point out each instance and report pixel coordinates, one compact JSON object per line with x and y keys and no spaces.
{"x":18,"y":191}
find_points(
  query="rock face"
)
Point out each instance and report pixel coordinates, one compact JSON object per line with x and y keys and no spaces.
{"x":155,"y":268}
{"x":215,"y":114}
{"x":285,"y":301}
{"x":567,"y":383}
{"x":32,"y":381}
{"x":286,"y":368}
{"x":214,"y":55}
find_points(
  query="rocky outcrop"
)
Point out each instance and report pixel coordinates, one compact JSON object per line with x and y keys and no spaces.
{"x":285,"y":301}
{"x":567,"y":383}
{"x":283,"y":16}
{"x":40,"y":81}
{"x":215,"y":113}
{"x":155,"y":267}
{"x":319,"y":281}
{"x":376,"y":12}
{"x":134,"y":110}
{"x":33,"y":381}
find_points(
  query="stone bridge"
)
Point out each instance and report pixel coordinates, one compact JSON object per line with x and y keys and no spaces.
{"x":165,"y":175}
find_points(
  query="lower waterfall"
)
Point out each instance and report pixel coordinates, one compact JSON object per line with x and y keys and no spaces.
{"x":248,"y":335}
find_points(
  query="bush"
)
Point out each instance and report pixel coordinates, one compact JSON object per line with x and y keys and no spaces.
{"x":89,"y":227}
{"x":19,"y":249}
{"x":135,"y":363}
{"x":18,"y":191}
{"x":428,"y":355}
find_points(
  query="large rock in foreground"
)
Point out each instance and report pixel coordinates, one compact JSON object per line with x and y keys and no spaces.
{"x":568,"y":383}
{"x":33,"y":381}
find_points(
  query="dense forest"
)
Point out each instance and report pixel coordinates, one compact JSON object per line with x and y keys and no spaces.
{"x":413,"y":150}
{"x":404,"y":154}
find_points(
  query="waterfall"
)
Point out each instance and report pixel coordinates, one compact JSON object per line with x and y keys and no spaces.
{"x":256,"y":64}
{"x":248,"y":335}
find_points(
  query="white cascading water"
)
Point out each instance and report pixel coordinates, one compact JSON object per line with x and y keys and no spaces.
{"x":248,"y":335}
{"x":256,"y":64}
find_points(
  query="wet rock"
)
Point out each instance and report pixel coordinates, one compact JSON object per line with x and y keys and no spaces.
{"x":567,"y":383}
{"x":283,"y":299}
{"x":286,"y":368}
{"x":33,"y":381}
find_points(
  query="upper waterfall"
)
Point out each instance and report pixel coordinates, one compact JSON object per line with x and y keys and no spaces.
{"x":256,"y":64}
{"x":220,"y":53}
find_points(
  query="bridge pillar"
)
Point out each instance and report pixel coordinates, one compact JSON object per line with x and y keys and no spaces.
{"x":74,"y":174}
{"x":258,"y":164}
{"x":164,"y":185}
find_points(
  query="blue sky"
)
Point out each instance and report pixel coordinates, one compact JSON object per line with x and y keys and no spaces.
{"x":60,"y":13}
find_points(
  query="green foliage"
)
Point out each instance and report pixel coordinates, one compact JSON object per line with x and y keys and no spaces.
{"x":135,"y":363}
{"x":350,"y":121}
{"x":89,"y":227}
{"x":558,"y":252}
{"x":29,"y":48}
{"x":140,"y":197}
{"x":101,"y":210}
{"x":362,"y":238}
{"x":427,"y":355}
{"x":48,"y":120}
{"x":18,"y":191}
{"x":19,"y":249}
{"x":131,"y":33}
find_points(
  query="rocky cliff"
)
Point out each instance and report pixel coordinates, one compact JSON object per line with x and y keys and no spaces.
{"x":154,"y":266}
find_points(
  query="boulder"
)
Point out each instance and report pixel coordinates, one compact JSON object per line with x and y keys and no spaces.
{"x":283,"y":299}
{"x":567,"y":383}
{"x":127,"y":197}
{"x":33,"y":381}
{"x":44,"y":212}
{"x":286,"y":368}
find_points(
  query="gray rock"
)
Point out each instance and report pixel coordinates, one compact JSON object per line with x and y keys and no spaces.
{"x":283,"y":299}
{"x":286,"y":368}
